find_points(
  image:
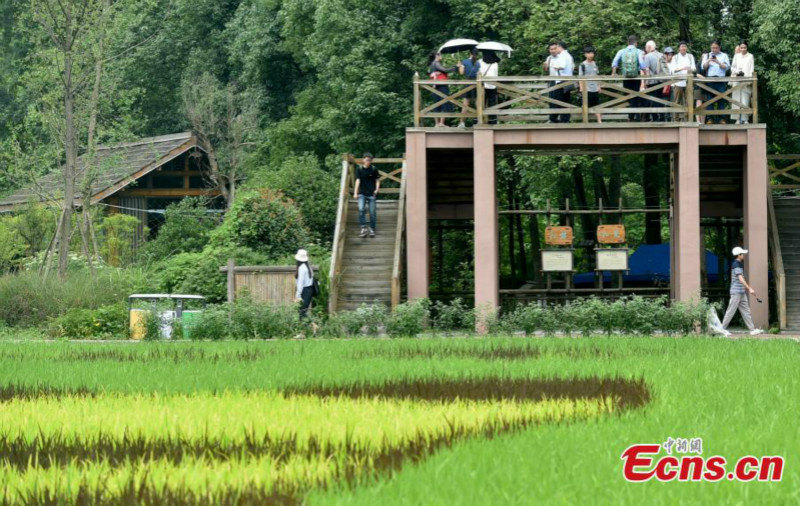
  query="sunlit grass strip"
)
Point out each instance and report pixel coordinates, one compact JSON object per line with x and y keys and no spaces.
{"x":235,"y":448}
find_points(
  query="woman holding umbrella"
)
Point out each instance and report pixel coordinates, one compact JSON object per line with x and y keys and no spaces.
{"x":438,"y":72}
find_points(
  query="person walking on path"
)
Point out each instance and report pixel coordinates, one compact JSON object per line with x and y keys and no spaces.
{"x":366,"y":192}
{"x":304,"y":278}
{"x":739,"y":292}
{"x":630,"y":61}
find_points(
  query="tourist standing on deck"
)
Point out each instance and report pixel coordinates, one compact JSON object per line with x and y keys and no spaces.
{"x":559,"y":63}
{"x":742,"y":66}
{"x":489,"y":66}
{"x":683,"y":64}
{"x":438,"y":72}
{"x":588,"y":68}
{"x":739,"y":291}
{"x":716,"y":64}
{"x":366,"y":192}
{"x":469,"y":69}
{"x":630,"y":62}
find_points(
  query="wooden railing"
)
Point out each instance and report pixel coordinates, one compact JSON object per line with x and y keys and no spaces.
{"x":777,"y":262}
{"x":392,"y":186}
{"x":783,"y":172}
{"x":398,"y":241}
{"x":531,"y":99}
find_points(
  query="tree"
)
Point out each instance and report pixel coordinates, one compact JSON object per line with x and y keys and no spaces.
{"x":225,"y":120}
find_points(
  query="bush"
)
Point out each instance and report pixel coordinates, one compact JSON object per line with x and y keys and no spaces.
{"x":633,"y":315}
{"x":254,"y":320}
{"x":456,"y":315}
{"x":27,"y":299}
{"x":186,"y":229}
{"x":199,"y":274}
{"x":314,"y":190}
{"x":118,"y":236}
{"x":103,"y":322}
{"x":263,"y":221}
{"x":366,"y":320}
{"x":212,"y":323}
{"x":409,"y":318}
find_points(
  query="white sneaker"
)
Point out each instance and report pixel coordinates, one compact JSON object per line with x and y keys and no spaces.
{"x":363,"y":232}
{"x":462,"y":125}
{"x":756,"y":332}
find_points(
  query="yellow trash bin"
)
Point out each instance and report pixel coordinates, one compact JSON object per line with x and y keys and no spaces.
{"x":138,"y":319}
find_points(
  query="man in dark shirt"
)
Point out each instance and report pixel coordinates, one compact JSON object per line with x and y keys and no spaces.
{"x":366,"y":191}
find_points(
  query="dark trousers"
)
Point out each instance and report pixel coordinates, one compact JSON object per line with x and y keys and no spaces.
{"x":561,"y":95}
{"x":719,"y":104}
{"x":633,"y":85}
{"x":491,"y":100}
{"x":305,"y":300}
{"x":653,"y":103}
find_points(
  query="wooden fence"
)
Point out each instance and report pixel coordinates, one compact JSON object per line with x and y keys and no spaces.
{"x":263,"y":283}
{"x":532,"y":99}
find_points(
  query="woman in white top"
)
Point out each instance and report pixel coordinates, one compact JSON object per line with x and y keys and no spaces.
{"x":305,"y":282}
{"x":488,"y":67}
{"x":742,"y":66}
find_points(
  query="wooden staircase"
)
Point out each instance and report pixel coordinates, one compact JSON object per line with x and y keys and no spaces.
{"x":366,"y":270}
{"x":784,"y":235}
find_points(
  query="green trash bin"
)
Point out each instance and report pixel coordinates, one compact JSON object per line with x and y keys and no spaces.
{"x":188,"y":318}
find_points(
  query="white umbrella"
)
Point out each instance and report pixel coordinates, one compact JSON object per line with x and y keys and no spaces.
{"x":456,"y":45}
{"x":495,"y":46}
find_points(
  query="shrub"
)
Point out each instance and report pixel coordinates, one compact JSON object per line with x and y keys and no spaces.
{"x":366,"y":320}
{"x":456,"y":315}
{"x":314,"y":190}
{"x":103,"y":322}
{"x":212,"y":323}
{"x":118,"y":235}
{"x":409,"y":318}
{"x":12,"y":245}
{"x":263,"y":221}
{"x":254,"y":320}
{"x":186,"y":229}
{"x":27,"y":299}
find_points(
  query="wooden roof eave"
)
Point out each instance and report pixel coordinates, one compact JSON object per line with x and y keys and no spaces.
{"x":174,"y":153}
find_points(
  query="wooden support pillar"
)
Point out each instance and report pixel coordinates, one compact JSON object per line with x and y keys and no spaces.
{"x":487,"y":276}
{"x":417,"y":251}
{"x":687,"y":243}
{"x":755,"y":223}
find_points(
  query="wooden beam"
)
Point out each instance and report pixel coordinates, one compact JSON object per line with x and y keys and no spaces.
{"x":169,"y":192}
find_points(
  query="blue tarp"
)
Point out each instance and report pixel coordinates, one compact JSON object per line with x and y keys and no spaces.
{"x":649,"y":264}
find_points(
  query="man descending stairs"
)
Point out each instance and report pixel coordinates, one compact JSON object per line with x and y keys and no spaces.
{"x":366,"y":275}
{"x":787,"y":211}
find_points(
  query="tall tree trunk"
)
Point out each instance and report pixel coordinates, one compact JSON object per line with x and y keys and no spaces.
{"x":523,"y":260}
{"x":71,"y":148}
{"x":650,"y":185}
{"x":615,"y":182}
{"x":511,"y":247}
{"x":587,"y":220}
{"x":533,"y":231}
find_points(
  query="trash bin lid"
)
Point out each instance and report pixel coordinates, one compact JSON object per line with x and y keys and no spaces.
{"x":153,"y":296}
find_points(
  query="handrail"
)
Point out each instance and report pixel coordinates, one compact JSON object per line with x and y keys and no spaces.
{"x":532,"y":98}
{"x":339,"y":233}
{"x":777,"y":262}
{"x":398,"y":240}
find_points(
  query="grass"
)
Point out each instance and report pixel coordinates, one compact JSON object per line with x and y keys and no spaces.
{"x":186,"y":409}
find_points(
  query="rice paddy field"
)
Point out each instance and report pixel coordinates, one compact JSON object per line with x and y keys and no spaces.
{"x":408,"y":421}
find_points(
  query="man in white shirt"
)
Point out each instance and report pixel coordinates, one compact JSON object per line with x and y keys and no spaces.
{"x":716,"y":65}
{"x":682,"y":64}
{"x":559,"y":63}
{"x":742,"y":66}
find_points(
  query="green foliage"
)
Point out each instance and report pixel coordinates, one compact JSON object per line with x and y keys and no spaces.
{"x":452,"y":316}
{"x":777,"y":35}
{"x":314,"y":190}
{"x":213,"y":323}
{"x":253,"y":320}
{"x":186,"y":229}
{"x":118,"y":232}
{"x":633,"y":315}
{"x":35,"y":224}
{"x":409,"y":318}
{"x":366,"y":320}
{"x":12,"y":246}
{"x":264,"y":221}
{"x":109,"y":321}
{"x":27,"y":299}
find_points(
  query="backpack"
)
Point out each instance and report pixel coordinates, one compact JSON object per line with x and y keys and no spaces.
{"x":630,"y":62}
{"x":662,"y":65}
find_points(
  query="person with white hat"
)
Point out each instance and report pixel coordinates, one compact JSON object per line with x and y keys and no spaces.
{"x":739,"y":291}
{"x":305,"y":282}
